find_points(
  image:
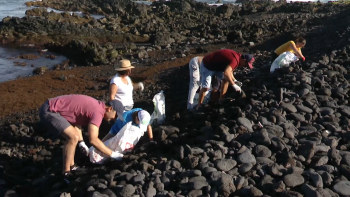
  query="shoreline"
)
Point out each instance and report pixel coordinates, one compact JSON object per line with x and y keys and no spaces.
{"x":284,"y":130}
{"x":34,"y":90}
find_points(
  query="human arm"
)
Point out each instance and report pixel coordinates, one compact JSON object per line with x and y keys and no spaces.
{"x":95,"y":141}
{"x":228,"y":77}
{"x":296,"y":50}
{"x":138,"y":86}
{"x":113,"y":88}
{"x":150,"y":133}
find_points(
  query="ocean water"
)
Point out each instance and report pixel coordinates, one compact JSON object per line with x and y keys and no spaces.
{"x":9,"y":71}
{"x":8,"y":54}
{"x":214,"y":2}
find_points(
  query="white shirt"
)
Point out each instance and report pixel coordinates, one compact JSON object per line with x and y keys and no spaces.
{"x":124,"y":92}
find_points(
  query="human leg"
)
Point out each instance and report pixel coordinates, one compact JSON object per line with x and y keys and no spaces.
{"x":223,"y":85}
{"x":223,"y":88}
{"x":194,"y":81}
{"x":206,"y":77}
{"x":58,"y":125}
{"x":71,"y":135}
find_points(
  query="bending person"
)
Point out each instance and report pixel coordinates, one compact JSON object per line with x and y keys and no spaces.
{"x":194,"y":67}
{"x":64,"y":115}
{"x":222,"y":63}
{"x":121,"y":86}
{"x":291,"y":46}
{"x":137,"y":116}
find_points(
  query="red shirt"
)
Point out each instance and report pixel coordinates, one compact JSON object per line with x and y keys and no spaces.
{"x":79,"y":110}
{"x":219,"y":60}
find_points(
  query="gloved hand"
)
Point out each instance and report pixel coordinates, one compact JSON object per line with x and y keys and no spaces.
{"x":83,"y":148}
{"x":237,"y":88}
{"x":141,"y":87}
{"x":238,"y":83}
{"x":303,"y":58}
{"x":117,"y":156}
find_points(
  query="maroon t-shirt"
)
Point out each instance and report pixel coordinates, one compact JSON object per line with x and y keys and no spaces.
{"x":79,"y":110}
{"x":219,"y":60}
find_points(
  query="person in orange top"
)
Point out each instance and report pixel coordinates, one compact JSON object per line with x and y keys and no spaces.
{"x":294,"y":47}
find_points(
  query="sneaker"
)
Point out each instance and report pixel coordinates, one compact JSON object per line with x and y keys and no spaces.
{"x":78,"y":170}
{"x":67,"y":177}
{"x":74,"y":167}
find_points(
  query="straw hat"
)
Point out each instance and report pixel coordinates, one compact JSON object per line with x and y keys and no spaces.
{"x":123,"y":65}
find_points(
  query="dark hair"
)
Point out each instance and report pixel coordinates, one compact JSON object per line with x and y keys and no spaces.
{"x":300,"y":40}
{"x":123,"y":72}
{"x":135,"y":115}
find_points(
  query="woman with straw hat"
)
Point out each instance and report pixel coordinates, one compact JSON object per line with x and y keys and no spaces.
{"x":121,"y":86}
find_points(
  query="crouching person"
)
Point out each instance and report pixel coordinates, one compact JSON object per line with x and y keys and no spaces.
{"x":137,"y":116}
{"x":64,"y":115}
{"x":194,"y":67}
{"x":222,"y":63}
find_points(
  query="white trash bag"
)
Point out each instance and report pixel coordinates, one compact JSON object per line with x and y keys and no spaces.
{"x":158,"y":115}
{"x":283,"y":60}
{"x":123,"y":142}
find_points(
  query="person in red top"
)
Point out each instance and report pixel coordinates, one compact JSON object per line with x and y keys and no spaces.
{"x":64,"y":115}
{"x":222,"y":63}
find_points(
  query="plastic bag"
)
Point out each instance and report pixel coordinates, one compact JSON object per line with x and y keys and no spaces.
{"x":158,"y":115}
{"x":123,"y":142}
{"x":283,"y":60}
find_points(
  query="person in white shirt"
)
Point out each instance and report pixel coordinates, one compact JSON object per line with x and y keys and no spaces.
{"x":121,"y":86}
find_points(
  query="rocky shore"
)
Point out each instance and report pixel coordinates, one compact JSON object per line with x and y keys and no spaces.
{"x":302,"y":148}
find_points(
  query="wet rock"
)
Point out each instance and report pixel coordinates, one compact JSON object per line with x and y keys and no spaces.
{"x":262,"y":151}
{"x":246,"y":123}
{"x":251,"y":191}
{"x":195,"y":185}
{"x":244,"y":168}
{"x":246,"y":157}
{"x":315,"y":177}
{"x":40,"y":70}
{"x":342,"y":188}
{"x":225,"y":164}
{"x":293,"y":180}
{"x":266,"y":184}
{"x":127,"y":190}
{"x":291,"y":194}
{"x":288,"y":107}
{"x":310,"y":191}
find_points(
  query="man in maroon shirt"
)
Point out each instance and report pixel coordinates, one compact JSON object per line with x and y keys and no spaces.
{"x":64,"y":115}
{"x":222,"y":63}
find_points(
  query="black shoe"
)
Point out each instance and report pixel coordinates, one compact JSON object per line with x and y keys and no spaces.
{"x":78,"y":170}
{"x":74,"y":167}
{"x":68,"y":177}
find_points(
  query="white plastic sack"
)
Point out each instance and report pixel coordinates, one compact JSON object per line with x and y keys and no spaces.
{"x":283,"y":60}
{"x":158,"y":115}
{"x":205,"y":100}
{"x":123,"y":142}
